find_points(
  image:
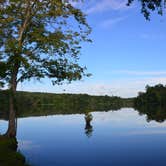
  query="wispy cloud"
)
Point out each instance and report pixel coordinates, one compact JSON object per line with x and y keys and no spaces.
{"x":141,"y":73}
{"x":124,"y":87}
{"x":112,"y":22}
{"x":105,"y":5}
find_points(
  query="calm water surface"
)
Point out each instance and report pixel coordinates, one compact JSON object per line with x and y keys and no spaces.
{"x":116,"y":138}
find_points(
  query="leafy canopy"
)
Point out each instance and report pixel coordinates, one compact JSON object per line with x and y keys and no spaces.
{"x":41,"y":38}
{"x":147,"y":6}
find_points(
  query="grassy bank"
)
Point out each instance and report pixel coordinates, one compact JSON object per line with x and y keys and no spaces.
{"x":8,"y":154}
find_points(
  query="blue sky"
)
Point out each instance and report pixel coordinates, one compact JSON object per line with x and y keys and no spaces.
{"x":127,"y":52}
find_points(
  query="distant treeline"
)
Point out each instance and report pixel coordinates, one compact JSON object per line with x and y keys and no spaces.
{"x":154,"y":96}
{"x":35,"y":104}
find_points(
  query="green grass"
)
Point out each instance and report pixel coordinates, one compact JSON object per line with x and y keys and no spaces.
{"x":8,"y":154}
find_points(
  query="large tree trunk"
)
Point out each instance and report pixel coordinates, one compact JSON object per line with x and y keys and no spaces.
{"x":12,"y":125}
{"x":11,"y":132}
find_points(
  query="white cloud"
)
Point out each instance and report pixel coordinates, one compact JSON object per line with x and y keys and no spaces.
{"x":111,"y":22}
{"x":120,"y":87}
{"x":124,"y":87}
{"x":105,"y":5}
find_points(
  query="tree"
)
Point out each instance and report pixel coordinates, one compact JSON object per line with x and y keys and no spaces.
{"x":39,"y":39}
{"x":147,"y":6}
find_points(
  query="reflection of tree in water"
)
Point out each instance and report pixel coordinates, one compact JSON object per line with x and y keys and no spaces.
{"x":153,"y":113}
{"x":88,"y":126}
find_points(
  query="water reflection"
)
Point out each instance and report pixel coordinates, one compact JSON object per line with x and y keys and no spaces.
{"x":88,"y":126}
{"x":153,"y":113}
{"x":60,"y":140}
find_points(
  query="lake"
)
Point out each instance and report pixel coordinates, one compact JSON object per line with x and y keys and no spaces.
{"x":113,"y":138}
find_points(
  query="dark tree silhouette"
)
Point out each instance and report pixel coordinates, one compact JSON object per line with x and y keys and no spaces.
{"x":148,"y":6}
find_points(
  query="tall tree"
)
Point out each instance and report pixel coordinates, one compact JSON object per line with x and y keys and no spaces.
{"x":39,"y":39}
